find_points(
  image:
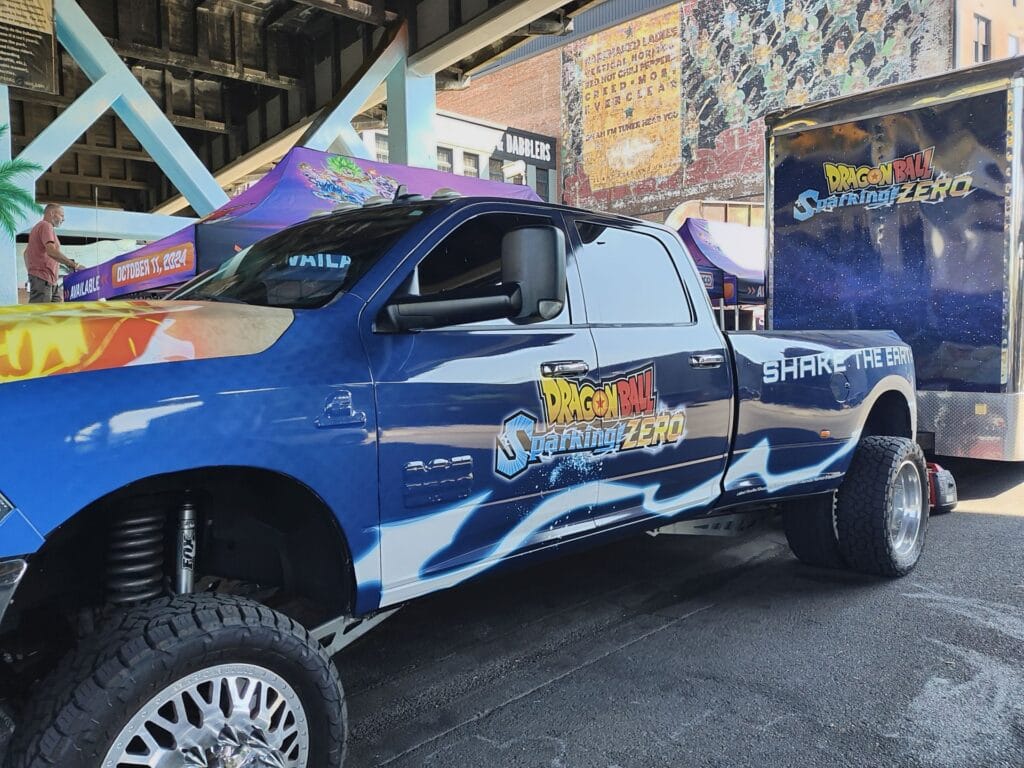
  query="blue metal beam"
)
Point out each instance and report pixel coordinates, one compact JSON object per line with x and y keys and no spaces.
{"x":137,"y":110}
{"x":412,"y":107}
{"x":333,"y":129}
{"x":349,"y":142}
{"x":122,"y":225}
{"x":58,"y":136}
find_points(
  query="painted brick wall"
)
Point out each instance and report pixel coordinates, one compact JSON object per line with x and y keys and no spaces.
{"x":725,"y":63}
{"x":669,"y":106}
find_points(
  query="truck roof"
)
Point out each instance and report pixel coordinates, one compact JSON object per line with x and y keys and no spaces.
{"x":928,"y":91}
{"x":456,"y":202}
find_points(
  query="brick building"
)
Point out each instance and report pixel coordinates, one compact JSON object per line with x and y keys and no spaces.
{"x":525,"y":96}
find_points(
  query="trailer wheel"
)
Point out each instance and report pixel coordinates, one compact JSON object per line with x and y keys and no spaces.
{"x":196,"y":680}
{"x":882,"y":507}
{"x":811,"y":532}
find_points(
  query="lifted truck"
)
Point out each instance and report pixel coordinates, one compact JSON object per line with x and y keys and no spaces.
{"x":372,"y":406}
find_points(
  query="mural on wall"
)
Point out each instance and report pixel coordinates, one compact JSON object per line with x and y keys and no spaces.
{"x":736,"y":60}
{"x":630,"y":94}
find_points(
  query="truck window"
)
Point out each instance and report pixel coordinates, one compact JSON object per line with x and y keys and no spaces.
{"x":308,"y":264}
{"x":470,"y":257}
{"x":629,"y":278}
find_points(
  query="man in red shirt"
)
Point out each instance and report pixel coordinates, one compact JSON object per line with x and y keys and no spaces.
{"x":43,"y":255}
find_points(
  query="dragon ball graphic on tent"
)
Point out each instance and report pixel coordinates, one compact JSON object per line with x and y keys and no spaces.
{"x":341,"y":180}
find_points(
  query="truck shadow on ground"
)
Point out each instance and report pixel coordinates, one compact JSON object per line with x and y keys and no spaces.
{"x":640,"y":575}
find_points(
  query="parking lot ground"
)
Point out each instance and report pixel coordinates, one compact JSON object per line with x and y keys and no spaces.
{"x":678,"y":651}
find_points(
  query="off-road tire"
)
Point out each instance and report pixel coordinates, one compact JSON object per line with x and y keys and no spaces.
{"x":84,"y":704}
{"x":810,"y":530}
{"x":864,"y":506}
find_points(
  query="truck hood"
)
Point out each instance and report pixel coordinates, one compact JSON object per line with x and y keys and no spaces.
{"x":51,"y":340}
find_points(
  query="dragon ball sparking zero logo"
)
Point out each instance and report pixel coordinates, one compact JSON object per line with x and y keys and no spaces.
{"x":584,"y":417}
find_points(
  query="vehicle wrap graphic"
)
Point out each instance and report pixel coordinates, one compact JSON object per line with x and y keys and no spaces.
{"x":581,"y":417}
{"x":415,"y":543}
{"x":835,"y":361}
{"x":48,"y":340}
{"x":908,"y":179}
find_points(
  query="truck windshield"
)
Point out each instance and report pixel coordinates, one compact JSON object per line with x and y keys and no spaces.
{"x":308,"y":264}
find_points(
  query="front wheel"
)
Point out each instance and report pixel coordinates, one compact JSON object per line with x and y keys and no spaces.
{"x":198,"y":680}
{"x":882,"y":507}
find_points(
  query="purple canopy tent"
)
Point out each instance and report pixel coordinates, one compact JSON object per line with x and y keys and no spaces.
{"x":730,"y":259}
{"x":305,"y":183}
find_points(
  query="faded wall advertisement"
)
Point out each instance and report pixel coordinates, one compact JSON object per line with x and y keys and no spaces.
{"x":629,"y":81}
{"x":701,"y":135}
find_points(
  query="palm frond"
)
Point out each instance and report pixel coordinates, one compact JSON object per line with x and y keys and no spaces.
{"x":16,"y":202}
{"x":11,"y":168}
{"x":16,"y":195}
{"x":8,"y":222}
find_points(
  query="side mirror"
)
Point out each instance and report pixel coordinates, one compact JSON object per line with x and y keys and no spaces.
{"x":533,"y":258}
{"x":532,"y":289}
{"x":415,"y":313}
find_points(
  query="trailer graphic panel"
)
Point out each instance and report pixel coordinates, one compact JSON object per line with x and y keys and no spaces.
{"x":895,"y":222}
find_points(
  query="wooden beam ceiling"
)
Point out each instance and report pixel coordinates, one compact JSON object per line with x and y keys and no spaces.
{"x":189,"y":63}
{"x":370,"y":13}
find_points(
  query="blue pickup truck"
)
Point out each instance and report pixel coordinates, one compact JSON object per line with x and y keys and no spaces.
{"x":204,"y":498}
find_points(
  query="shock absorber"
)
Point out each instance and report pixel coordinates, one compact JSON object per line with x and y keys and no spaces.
{"x":135,"y":558}
{"x":186,"y":548}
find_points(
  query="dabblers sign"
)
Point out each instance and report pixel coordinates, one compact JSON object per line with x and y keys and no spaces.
{"x":909,"y":179}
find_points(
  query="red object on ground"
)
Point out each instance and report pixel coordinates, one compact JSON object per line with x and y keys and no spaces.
{"x":942,"y":495}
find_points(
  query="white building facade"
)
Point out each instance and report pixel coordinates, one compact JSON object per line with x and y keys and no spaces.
{"x":472,"y":147}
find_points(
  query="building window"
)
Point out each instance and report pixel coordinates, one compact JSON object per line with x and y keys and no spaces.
{"x":381,"y":144}
{"x":982,"y":38}
{"x":495,"y":169}
{"x":541,"y":184}
{"x":444,"y":159}
{"x":1014,"y":44}
{"x":471,"y":165}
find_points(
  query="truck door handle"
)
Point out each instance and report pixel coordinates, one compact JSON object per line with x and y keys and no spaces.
{"x":707,"y":361}
{"x":564,"y":368}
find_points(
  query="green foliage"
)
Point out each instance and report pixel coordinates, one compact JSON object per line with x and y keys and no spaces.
{"x":16,"y":204}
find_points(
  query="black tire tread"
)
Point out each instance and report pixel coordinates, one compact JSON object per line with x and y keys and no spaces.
{"x":810,"y":531}
{"x":87,"y":679}
{"x":863,"y":498}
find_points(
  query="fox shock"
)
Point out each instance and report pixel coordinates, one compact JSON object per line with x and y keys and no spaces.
{"x":136,"y":556}
{"x":186,"y":564}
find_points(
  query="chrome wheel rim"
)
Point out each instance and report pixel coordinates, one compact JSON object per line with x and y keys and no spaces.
{"x":228,"y":716}
{"x":907,"y":509}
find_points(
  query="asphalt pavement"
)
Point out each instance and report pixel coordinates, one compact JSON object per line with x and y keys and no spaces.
{"x":679,"y":651}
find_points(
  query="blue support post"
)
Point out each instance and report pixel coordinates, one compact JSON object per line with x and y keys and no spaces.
{"x":137,"y":110}
{"x":412,"y":106}
{"x":8,"y":252}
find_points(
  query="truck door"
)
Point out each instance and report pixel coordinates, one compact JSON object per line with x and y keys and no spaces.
{"x":664,"y":378}
{"x":460,"y":414}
